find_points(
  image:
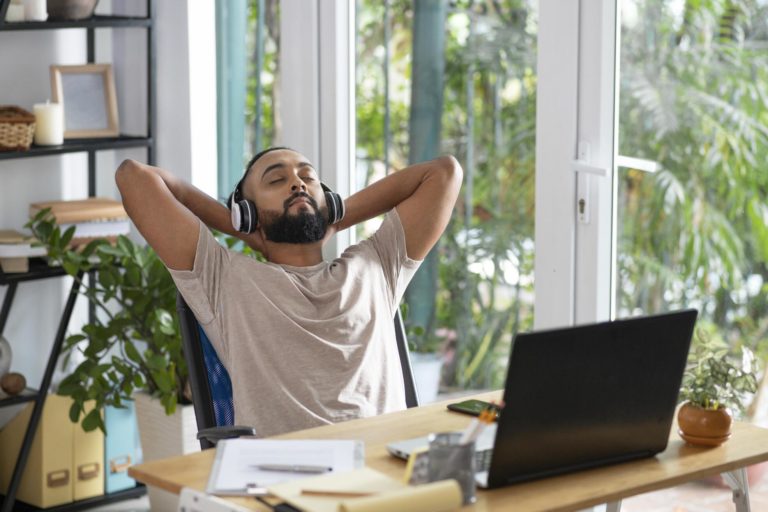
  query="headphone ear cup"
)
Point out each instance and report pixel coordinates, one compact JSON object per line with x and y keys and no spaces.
{"x":243,"y":215}
{"x":250,"y":216}
{"x":335,"y":206}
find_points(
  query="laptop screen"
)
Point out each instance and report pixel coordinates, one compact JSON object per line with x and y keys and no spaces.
{"x":590,"y":395}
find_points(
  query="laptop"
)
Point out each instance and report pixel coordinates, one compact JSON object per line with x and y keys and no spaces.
{"x":583,"y":397}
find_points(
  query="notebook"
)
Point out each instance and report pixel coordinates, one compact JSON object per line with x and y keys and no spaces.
{"x":585,"y":396}
{"x":240,"y":466}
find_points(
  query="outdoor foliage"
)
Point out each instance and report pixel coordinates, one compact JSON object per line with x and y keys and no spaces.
{"x":485,"y":265}
{"x":694,"y":97}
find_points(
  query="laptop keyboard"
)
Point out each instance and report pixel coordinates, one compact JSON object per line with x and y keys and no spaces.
{"x":483,"y":460}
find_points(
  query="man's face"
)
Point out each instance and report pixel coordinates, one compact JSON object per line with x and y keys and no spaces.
{"x":288,"y":196}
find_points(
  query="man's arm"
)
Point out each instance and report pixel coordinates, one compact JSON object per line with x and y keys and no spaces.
{"x":164,"y":209}
{"x":424,"y":195}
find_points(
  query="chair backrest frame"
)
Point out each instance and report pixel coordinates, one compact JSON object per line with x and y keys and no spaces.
{"x":202,"y":398}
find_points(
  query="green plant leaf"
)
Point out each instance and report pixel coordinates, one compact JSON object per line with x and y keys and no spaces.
{"x":93,"y":420}
{"x":74,"y":412}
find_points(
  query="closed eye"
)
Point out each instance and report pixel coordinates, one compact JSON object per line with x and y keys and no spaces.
{"x":308,"y":178}
{"x":277,"y":180}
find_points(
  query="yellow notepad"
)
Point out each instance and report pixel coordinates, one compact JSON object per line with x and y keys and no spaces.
{"x":366,"y":490}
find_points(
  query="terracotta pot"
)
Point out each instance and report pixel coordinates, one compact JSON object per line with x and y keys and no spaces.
{"x":704,"y":426}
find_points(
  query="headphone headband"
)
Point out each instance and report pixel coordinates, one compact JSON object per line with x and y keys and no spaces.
{"x":244,"y":216}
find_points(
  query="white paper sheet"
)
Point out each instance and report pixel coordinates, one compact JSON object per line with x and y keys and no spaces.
{"x":234,"y":470}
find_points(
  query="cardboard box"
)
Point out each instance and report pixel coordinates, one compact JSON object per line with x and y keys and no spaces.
{"x":121,"y":447}
{"x":47,"y":477}
{"x":87,"y":462}
{"x":64,"y":464}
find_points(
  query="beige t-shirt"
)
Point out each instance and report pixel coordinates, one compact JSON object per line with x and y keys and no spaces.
{"x":304,"y":346}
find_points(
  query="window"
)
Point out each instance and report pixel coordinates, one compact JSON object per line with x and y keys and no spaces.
{"x":693,"y":106}
{"x":247,"y":74}
{"x":465,"y":85}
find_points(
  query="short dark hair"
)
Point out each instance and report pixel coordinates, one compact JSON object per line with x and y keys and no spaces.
{"x":238,"y":192}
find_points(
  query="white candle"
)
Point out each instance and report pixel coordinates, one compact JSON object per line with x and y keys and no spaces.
{"x":49,"y":124}
{"x":35,"y":10}
{"x":14,"y":13}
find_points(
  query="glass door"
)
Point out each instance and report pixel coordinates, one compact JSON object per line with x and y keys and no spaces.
{"x":691,"y":197}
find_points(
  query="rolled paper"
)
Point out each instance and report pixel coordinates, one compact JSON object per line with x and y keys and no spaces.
{"x":14,"y":13}
{"x":35,"y":10}
{"x":441,"y":496}
{"x":49,"y":124}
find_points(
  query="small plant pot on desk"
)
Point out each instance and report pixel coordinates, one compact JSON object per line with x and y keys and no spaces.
{"x":706,"y":427}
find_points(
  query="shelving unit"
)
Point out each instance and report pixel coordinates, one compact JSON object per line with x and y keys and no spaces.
{"x":38,"y":267}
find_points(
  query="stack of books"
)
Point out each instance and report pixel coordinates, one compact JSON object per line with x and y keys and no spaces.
{"x":16,"y":249}
{"x":95,"y":217}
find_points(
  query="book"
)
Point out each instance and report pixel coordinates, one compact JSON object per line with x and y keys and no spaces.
{"x":99,"y":228}
{"x":82,"y":210}
{"x":17,"y":245}
{"x":239,"y":468}
{"x":14,"y":265}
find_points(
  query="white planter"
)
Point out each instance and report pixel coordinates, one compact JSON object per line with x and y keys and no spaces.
{"x":426,"y":373}
{"x":164,"y":436}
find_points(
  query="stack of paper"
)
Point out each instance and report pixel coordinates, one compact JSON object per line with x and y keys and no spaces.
{"x":240,"y":464}
{"x":16,"y":249}
{"x":95,"y":217}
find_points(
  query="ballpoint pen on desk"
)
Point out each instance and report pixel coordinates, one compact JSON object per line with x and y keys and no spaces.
{"x":293,"y":468}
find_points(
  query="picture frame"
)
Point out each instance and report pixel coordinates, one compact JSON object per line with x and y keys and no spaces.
{"x":87,"y":94}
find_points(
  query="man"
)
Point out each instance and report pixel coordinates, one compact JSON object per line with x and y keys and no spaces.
{"x":305,"y":342}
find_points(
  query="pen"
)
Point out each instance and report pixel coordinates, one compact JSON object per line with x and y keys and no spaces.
{"x":341,"y":494}
{"x":293,"y":468}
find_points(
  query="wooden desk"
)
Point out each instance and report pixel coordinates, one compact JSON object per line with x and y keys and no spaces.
{"x":678,"y":464}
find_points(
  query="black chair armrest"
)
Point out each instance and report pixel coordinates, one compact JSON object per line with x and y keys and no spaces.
{"x":215,"y":434}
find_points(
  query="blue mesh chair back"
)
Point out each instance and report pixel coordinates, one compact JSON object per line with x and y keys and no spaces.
{"x":208,"y":379}
{"x":218,"y":383}
{"x":212,"y":387}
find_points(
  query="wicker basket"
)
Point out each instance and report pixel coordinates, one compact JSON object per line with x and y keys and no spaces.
{"x":17,"y":128}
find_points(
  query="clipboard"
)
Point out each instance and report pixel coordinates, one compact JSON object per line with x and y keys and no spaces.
{"x":235,"y":472}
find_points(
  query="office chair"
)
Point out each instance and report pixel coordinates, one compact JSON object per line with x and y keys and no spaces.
{"x":212,"y":387}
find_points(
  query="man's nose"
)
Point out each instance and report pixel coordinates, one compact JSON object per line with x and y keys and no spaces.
{"x":298,"y":185}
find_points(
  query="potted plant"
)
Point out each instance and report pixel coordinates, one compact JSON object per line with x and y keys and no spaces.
{"x":715,"y":382}
{"x":426,"y":360}
{"x":133,"y":342}
{"x":131,"y":347}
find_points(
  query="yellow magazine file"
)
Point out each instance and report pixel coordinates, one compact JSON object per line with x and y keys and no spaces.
{"x":47,"y":477}
{"x":87,"y":461}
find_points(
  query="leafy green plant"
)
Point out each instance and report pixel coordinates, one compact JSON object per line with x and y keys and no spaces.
{"x":133,"y":341}
{"x":715,"y":377}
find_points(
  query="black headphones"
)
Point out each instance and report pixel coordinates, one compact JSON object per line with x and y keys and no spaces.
{"x":244,"y":216}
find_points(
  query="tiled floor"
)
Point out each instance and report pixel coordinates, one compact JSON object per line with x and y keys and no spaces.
{"x":698,"y":497}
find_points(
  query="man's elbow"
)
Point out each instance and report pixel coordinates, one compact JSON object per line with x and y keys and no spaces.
{"x":124,"y":173}
{"x":452,"y":172}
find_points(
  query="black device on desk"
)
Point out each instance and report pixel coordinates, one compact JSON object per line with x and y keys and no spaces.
{"x":472,"y":407}
{"x":584,"y":396}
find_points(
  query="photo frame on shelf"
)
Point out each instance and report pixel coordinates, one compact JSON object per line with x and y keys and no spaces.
{"x":87,"y":93}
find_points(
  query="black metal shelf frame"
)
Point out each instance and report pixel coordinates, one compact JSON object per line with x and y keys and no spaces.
{"x":39,"y":269}
{"x":80,"y":146}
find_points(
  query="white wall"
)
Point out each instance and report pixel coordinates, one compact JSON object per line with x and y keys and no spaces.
{"x":186,"y":136}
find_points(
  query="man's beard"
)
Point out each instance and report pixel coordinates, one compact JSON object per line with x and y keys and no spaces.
{"x":302,"y":228}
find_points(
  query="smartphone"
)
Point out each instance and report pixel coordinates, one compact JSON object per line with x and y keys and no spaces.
{"x":472,"y":406}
